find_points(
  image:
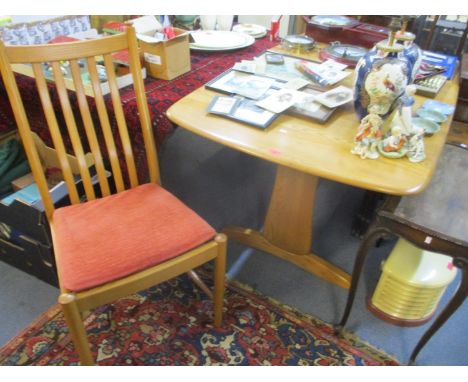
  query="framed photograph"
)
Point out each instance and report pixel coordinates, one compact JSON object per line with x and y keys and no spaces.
{"x":242,"y":110}
{"x":244,"y":84}
{"x":285,"y":71}
{"x":309,"y":108}
{"x":336,"y":97}
{"x":320,"y":75}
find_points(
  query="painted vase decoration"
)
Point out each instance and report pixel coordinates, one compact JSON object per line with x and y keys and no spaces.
{"x":381,"y":77}
{"x":411,"y":51}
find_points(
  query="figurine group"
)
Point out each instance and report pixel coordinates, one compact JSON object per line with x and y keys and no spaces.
{"x":394,"y":139}
{"x":383,"y":99}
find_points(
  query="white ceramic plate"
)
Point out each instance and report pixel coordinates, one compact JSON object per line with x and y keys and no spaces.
{"x":253,"y":30}
{"x":220,"y":40}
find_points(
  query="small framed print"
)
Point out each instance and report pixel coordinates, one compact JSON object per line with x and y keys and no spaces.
{"x":336,"y":97}
{"x":308,"y":107}
{"x":247,"y":111}
{"x":245,"y":84}
{"x":223,"y":105}
{"x":242,"y":110}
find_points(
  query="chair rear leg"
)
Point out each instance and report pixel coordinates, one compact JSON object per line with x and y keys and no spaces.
{"x":76,"y":327}
{"x":219,"y":274}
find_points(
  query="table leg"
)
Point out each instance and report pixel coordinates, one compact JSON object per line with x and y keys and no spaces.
{"x":287,"y":231}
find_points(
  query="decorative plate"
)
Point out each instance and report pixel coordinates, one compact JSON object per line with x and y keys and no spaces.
{"x":253,"y":30}
{"x":333,"y":21}
{"x":429,"y":126}
{"x":432,"y":115}
{"x":441,"y":107}
{"x":220,"y":40}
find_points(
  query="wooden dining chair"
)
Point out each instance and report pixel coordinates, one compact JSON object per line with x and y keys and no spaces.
{"x":114,"y":243}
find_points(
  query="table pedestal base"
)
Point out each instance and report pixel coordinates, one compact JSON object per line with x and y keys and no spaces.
{"x":309,"y":262}
{"x":287,"y":231}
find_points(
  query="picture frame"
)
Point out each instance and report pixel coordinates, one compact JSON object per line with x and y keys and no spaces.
{"x":285,"y":71}
{"x":311,"y":109}
{"x":242,"y":110}
{"x":232,"y":82}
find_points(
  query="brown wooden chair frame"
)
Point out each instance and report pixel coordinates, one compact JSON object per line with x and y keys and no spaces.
{"x":74,"y":304}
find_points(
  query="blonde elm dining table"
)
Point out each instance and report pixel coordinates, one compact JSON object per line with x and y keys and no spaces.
{"x":304,"y":152}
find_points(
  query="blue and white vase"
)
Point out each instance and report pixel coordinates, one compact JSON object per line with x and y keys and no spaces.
{"x":381,"y":77}
{"x":411,"y":51}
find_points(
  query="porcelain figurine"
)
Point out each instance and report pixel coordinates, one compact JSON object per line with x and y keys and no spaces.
{"x":416,"y":152}
{"x":403,"y":116}
{"x":368,"y":137}
{"x":411,"y":51}
{"x":381,"y":77}
{"x":395,"y":144}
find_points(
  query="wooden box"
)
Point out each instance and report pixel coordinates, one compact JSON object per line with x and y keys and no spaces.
{"x":356,"y":33}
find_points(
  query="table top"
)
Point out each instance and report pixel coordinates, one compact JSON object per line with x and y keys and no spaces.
{"x":323,"y":150}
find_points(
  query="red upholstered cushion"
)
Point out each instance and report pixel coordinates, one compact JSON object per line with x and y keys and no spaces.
{"x":109,"y":238}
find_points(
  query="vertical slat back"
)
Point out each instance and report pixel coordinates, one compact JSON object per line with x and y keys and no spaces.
{"x":100,"y":138}
{"x":73,"y":131}
{"x":120,"y":117}
{"x":55,"y":133}
{"x":105,"y":125}
{"x":25,"y":131}
{"x":89,"y":128}
{"x":142,"y":104}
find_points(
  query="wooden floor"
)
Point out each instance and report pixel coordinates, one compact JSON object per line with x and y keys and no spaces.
{"x":458,"y":133}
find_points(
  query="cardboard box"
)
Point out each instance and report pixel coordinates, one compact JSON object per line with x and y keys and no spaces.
{"x":165,"y":59}
{"x":22,"y":182}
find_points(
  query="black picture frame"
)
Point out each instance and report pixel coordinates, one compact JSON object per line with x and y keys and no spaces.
{"x":242,"y":110}
{"x":317,"y":112}
{"x":231,"y":83}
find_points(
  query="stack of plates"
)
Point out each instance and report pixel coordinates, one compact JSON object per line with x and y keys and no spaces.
{"x":220,"y":40}
{"x":253,"y":30}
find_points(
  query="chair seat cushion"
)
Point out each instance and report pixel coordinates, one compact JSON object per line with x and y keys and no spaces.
{"x":112,"y":237}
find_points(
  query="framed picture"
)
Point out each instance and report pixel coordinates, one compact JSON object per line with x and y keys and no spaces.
{"x":241,"y":83}
{"x":285,"y":71}
{"x":309,"y":108}
{"x":242,"y":110}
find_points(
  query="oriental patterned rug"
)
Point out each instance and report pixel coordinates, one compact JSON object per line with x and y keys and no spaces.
{"x":171,"y":324}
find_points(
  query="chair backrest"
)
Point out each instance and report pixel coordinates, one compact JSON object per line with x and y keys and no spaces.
{"x":75,"y":54}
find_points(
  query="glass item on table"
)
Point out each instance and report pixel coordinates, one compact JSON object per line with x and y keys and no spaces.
{"x":345,"y":53}
{"x":298,"y":43}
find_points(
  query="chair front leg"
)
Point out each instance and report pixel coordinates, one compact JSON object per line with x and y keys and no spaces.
{"x":219,"y":279}
{"x":76,"y":327}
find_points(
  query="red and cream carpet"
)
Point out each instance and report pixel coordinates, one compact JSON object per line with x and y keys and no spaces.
{"x":171,"y":324}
